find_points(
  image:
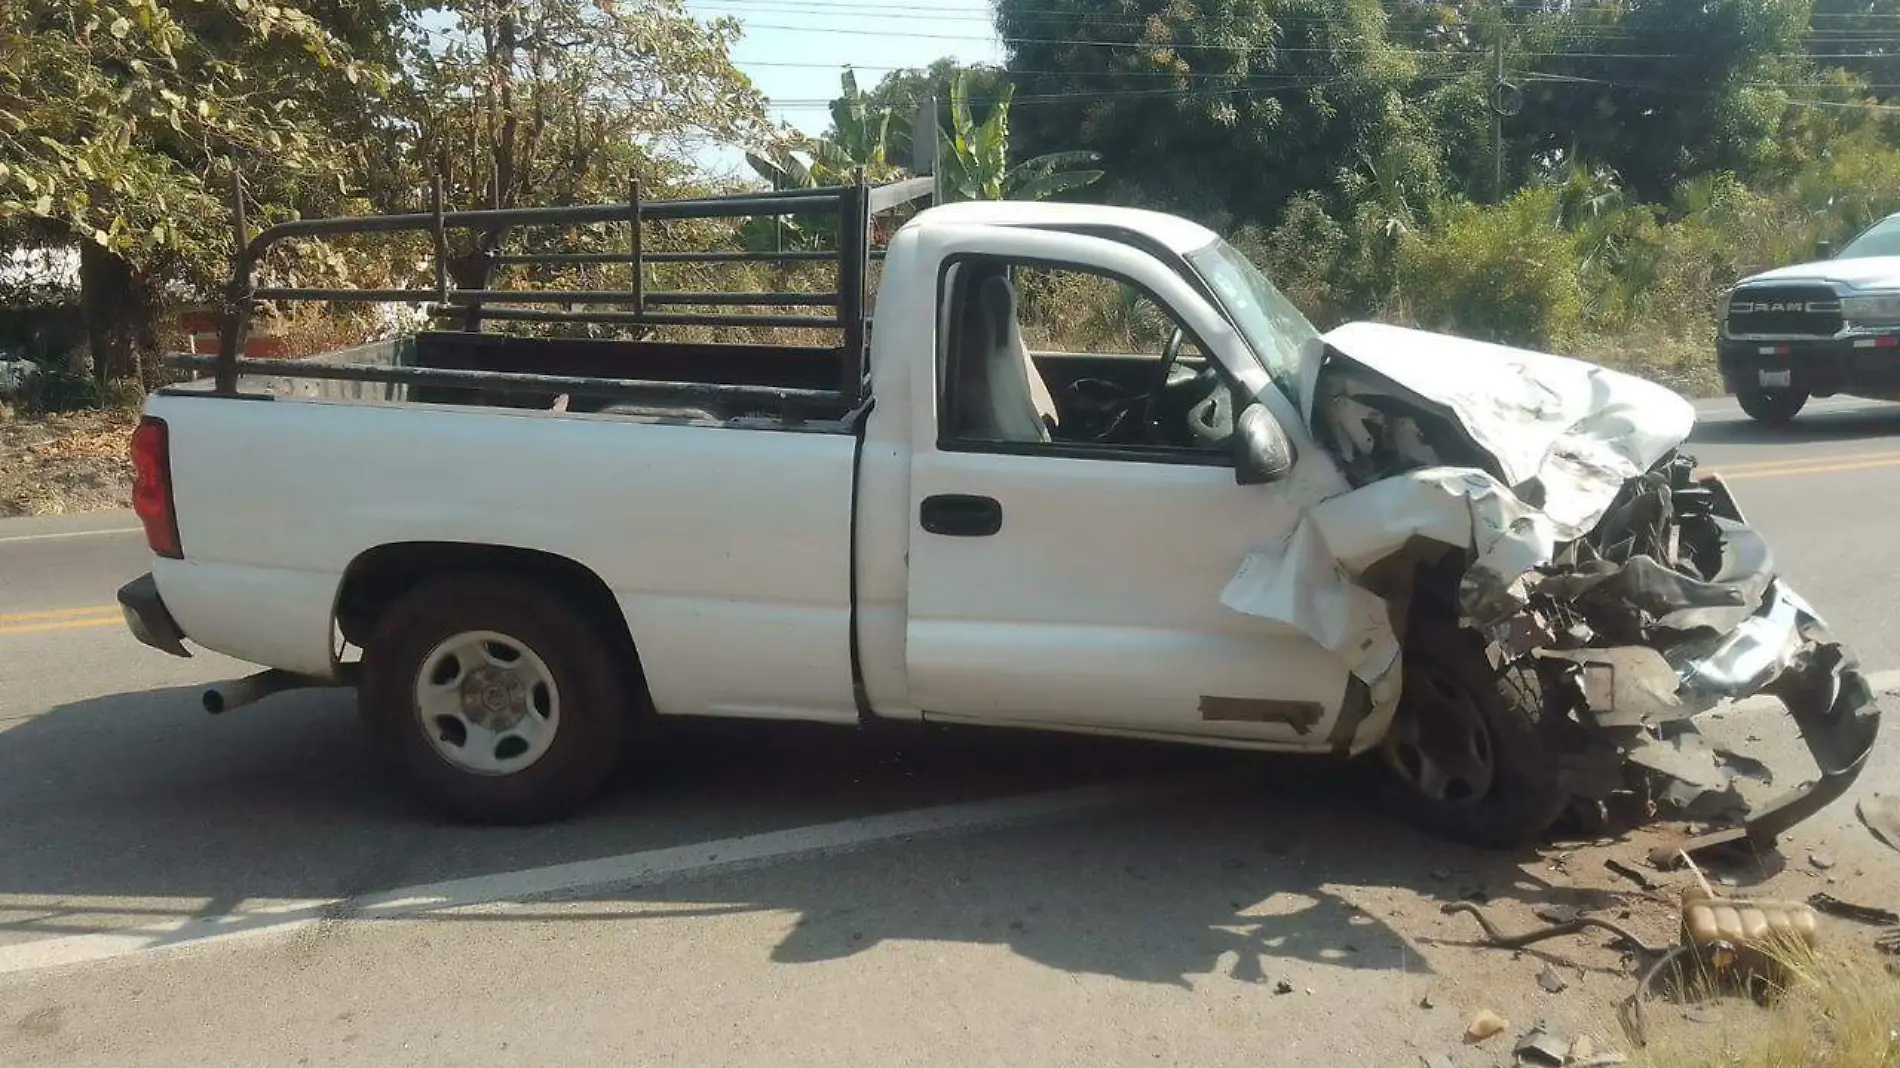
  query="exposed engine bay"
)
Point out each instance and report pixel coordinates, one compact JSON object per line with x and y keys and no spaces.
{"x":1593,"y":553}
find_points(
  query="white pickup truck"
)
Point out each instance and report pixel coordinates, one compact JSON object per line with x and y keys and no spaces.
{"x":1492,"y":568}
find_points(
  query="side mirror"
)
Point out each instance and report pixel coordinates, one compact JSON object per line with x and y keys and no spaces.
{"x":1262,"y":452}
{"x":1824,"y":250}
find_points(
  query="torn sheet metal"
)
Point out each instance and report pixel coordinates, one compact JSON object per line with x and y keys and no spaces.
{"x":1588,"y":540}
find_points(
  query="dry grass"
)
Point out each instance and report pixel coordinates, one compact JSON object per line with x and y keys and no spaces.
{"x":1838,"y":1009}
{"x":65,"y":464}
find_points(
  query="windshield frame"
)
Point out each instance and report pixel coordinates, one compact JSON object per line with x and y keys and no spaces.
{"x":1886,"y":228}
{"x":1263,"y":311}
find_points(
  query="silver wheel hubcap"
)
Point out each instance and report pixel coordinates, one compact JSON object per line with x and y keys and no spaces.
{"x":486,"y":703}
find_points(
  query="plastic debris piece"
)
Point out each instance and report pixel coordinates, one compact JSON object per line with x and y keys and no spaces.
{"x":1539,"y":1046}
{"x":1880,"y":814}
{"x":1551,"y":981}
{"x":1485,"y":1024}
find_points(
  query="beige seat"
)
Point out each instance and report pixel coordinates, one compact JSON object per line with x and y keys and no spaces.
{"x":1001,"y":394}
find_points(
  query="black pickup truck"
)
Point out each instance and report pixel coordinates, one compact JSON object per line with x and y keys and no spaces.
{"x":1816,"y":329}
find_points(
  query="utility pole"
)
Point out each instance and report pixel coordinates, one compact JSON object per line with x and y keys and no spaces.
{"x":1497,"y":113}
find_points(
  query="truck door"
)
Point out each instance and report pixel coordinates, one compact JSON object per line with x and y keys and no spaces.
{"x":1074,"y":513}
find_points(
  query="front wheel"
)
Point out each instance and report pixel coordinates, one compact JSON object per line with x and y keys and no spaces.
{"x":495,"y":698}
{"x":1472,"y":753}
{"x":1774,"y":407}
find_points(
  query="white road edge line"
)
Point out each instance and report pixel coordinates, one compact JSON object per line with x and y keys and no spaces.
{"x":62,"y":535}
{"x":619,"y":872}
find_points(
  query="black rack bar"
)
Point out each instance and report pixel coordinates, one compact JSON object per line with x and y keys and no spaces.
{"x":711,"y":299}
{"x":518,"y":382}
{"x":855,"y":206}
{"x":537,"y":315}
{"x":666,"y":257}
{"x":633,"y":248}
{"x":854,"y":240}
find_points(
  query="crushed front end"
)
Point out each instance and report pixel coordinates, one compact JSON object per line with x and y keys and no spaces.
{"x":1589,"y":550}
{"x":1668,"y":608}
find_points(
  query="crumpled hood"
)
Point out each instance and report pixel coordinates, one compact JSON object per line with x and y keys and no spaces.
{"x":1563,"y":434}
{"x":1858,"y":272}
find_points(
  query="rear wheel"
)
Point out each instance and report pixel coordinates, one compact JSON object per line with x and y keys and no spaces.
{"x":1472,"y":754}
{"x":1775,"y":407}
{"x":495,"y":698}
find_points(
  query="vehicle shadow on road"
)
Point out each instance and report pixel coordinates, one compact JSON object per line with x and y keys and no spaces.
{"x":1874,"y":421}
{"x":137,"y":808}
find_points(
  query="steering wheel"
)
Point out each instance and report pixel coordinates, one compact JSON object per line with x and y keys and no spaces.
{"x":1109,"y":408}
{"x":1170,"y":355}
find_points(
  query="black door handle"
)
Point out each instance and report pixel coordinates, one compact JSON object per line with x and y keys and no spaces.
{"x":961,"y":515}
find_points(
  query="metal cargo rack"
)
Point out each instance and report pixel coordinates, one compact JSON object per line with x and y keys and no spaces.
{"x":854,"y":206}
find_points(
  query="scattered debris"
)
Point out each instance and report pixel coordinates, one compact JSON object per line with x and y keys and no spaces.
{"x":1539,"y":1046}
{"x":1630,"y":873}
{"x":1551,"y":981}
{"x":1558,"y":913}
{"x":1821,"y":861}
{"x":1438,"y":1060}
{"x":1666,"y":857}
{"x":1866,"y":914}
{"x":1503,"y":941}
{"x":1602,"y":1060}
{"x":1283,"y":987}
{"x":1582,"y":1048}
{"x":1880,"y":814}
{"x":1425,"y":1000}
{"x":1485,"y":1024}
{"x":1746,"y":766}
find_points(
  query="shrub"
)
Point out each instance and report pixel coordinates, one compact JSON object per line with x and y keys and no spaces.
{"x":1501,"y":273}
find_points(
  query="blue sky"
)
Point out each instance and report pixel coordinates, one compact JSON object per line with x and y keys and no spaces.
{"x":794,"y":50}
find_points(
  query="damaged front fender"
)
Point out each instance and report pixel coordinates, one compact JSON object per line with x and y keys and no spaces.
{"x":1588,"y":547}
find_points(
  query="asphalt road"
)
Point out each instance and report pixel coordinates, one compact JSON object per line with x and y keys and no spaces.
{"x":758,"y":894}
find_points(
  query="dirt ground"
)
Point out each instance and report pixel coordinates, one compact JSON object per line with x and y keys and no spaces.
{"x":65,"y":464}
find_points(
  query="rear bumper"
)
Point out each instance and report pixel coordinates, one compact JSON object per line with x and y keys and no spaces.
{"x":1817,"y":366}
{"x":147,"y":617}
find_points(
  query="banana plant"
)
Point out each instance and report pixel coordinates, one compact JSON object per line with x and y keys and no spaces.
{"x":974,"y":161}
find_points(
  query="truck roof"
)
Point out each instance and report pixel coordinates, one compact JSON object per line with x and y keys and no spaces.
{"x":1181,"y":236}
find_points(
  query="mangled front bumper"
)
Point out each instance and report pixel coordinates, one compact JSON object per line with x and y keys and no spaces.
{"x":1701,"y":644}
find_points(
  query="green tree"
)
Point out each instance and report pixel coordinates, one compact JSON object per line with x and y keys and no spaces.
{"x":1659,"y":90}
{"x":563,"y":101}
{"x":904,"y":92}
{"x":121,"y":121}
{"x":1220,"y":109}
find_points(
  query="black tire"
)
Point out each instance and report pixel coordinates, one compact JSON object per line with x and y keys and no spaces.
{"x":1452,"y":690}
{"x":1772,"y":407}
{"x":588,"y":695}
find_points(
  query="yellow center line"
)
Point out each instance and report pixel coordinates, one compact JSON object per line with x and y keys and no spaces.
{"x":71,"y":624}
{"x":1803,"y":464}
{"x":57,"y":613}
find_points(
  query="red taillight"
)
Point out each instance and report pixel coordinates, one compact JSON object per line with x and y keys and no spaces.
{"x":152,"y":487}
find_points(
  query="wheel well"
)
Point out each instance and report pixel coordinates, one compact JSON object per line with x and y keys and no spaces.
{"x":379,"y":578}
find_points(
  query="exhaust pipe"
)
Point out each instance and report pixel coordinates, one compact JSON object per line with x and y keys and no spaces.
{"x":236,"y":693}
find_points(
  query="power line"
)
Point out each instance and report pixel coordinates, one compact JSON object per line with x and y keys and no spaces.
{"x":1177,"y":46}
